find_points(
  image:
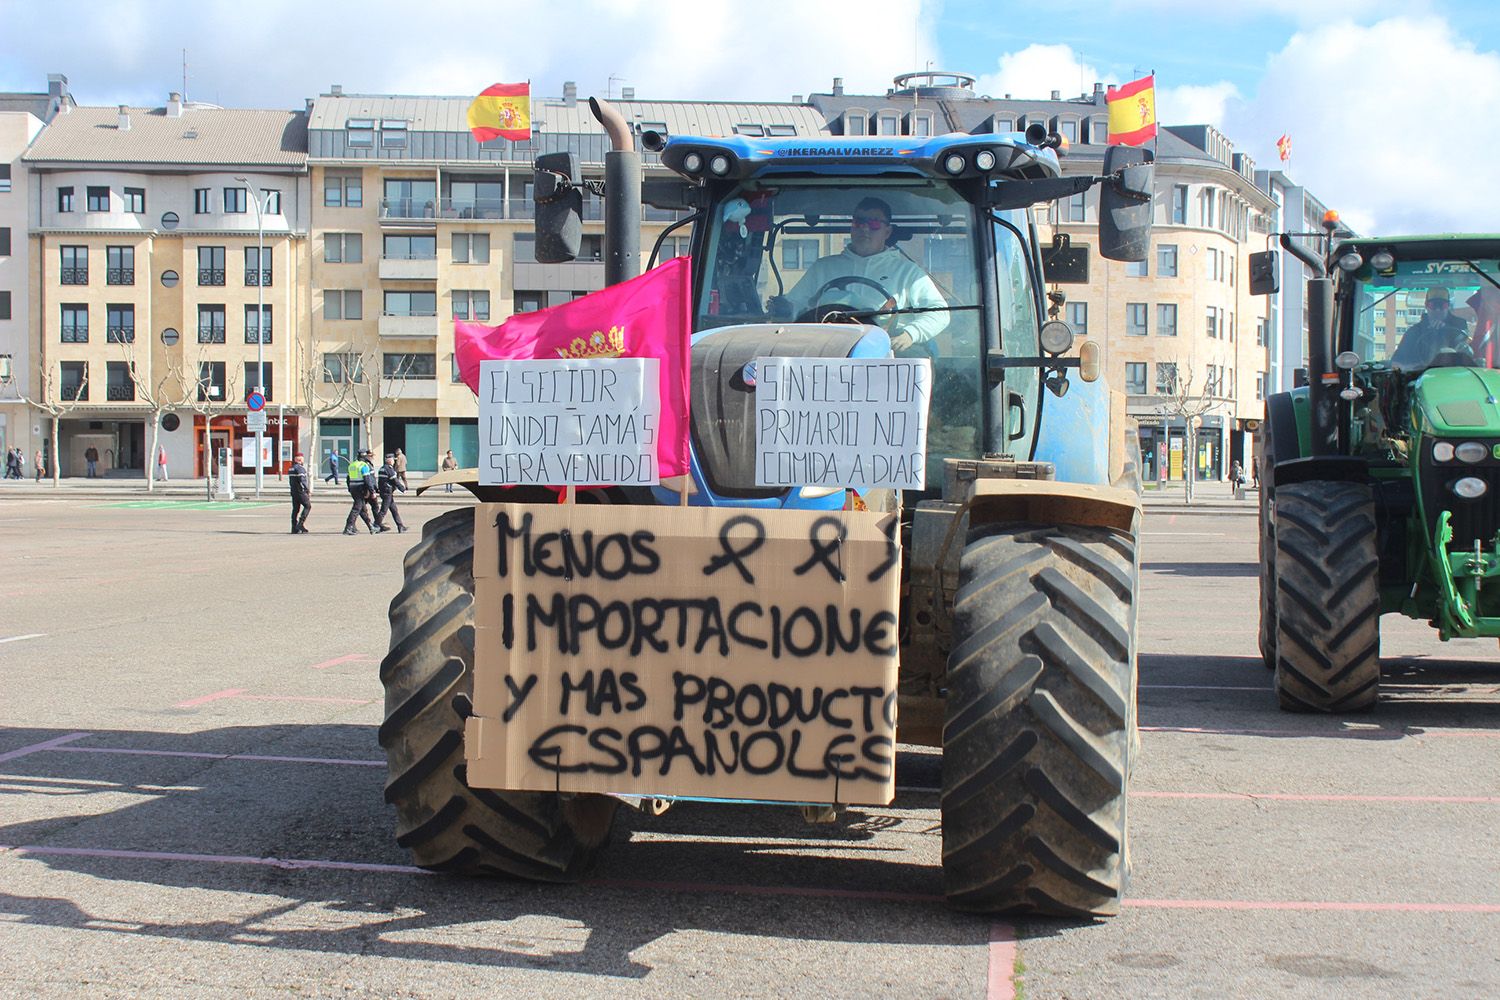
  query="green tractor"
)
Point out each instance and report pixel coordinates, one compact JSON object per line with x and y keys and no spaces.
{"x":1379,"y":476}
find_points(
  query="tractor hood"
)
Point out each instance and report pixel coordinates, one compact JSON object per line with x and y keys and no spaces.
{"x":1454,"y":402}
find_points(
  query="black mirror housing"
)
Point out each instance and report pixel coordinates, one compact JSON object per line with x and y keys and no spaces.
{"x":1125,"y":203}
{"x":1265,"y":276}
{"x":558,"y":222}
{"x":1064,"y":263}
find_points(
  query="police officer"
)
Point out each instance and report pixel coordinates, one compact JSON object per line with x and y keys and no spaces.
{"x":301,"y":485}
{"x":388,"y":481}
{"x":360,"y":478}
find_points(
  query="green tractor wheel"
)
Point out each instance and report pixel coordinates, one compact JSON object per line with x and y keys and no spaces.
{"x":429,"y":679}
{"x":1267,"y":556}
{"x":1036,"y":744}
{"x":1327,"y":598}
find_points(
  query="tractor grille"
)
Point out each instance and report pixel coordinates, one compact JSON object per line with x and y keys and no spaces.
{"x":1472,"y":519}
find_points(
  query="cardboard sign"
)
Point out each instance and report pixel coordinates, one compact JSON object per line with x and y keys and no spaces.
{"x":685,"y":651}
{"x":580,"y":422}
{"x":856,"y":422}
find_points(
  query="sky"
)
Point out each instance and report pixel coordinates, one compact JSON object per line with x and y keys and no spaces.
{"x":1390,"y":108}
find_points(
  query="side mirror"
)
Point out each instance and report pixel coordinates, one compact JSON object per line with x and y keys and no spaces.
{"x":1065,"y":264}
{"x":1265,"y":278}
{"x":557,"y":188}
{"x":1125,"y":203}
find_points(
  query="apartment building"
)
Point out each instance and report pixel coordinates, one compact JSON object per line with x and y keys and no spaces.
{"x":168,"y":263}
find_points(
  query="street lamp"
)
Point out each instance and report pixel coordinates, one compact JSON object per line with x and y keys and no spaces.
{"x":260,"y":323}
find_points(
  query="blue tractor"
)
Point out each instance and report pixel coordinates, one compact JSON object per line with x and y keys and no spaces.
{"x":1019,"y":559}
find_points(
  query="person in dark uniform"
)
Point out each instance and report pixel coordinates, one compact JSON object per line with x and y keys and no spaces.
{"x":388,"y":481}
{"x":301,"y":486}
{"x":360,"y":478}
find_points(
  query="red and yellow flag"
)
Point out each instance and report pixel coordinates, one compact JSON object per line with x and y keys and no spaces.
{"x":1132,"y":111}
{"x":502,"y":111}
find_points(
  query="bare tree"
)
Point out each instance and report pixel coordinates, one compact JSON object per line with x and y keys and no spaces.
{"x":323,"y":390}
{"x":162,"y":395}
{"x":207,"y":400}
{"x":57,"y":401}
{"x":1181,"y":399}
{"x":370,"y":390}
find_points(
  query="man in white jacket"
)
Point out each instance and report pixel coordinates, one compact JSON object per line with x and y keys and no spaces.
{"x":866,"y":262}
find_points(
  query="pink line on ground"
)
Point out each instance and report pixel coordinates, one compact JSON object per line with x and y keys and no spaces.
{"x":320,"y":701}
{"x":1289,"y":797}
{"x":766,"y":890}
{"x":347,"y":658}
{"x":56,"y":741}
{"x":195,"y":702}
{"x":1376,"y":733}
{"x":225,"y":756}
{"x":1002,"y":982}
{"x":1310,"y":905}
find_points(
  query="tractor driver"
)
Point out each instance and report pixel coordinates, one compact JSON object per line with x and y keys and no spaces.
{"x":871,"y":274}
{"x":1438,"y":330}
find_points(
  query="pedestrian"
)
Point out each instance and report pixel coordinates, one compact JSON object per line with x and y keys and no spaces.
{"x":161,"y":463}
{"x":12,"y":470}
{"x":20,"y":463}
{"x":38,"y":464}
{"x":91,"y":456}
{"x":301,"y":484}
{"x":360,"y":478}
{"x":1237,"y":479}
{"x":449,"y":464}
{"x":333,"y":467}
{"x":388,"y":482}
{"x":1255,"y":472}
{"x":400,"y":468}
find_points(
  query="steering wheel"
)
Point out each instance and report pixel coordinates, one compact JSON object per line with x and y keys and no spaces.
{"x":820,"y":312}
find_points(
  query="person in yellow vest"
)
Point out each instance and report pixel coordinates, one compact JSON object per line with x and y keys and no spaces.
{"x":361,"y":478}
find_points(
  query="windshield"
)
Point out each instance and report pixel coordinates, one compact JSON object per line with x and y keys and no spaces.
{"x":899,"y":255}
{"x":1429,"y":312}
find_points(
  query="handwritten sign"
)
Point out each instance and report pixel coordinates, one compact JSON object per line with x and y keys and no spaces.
{"x":676,"y":651}
{"x":580,"y":422}
{"x":857,"y":422}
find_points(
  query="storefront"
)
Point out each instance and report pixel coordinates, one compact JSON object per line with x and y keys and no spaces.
{"x":228,"y":431}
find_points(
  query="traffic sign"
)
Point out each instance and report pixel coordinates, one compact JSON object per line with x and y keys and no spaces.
{"x":256,"y":402}
{"x":256,"y":420}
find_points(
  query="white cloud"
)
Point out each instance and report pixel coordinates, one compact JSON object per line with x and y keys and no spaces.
{"x":1037,"y":70}
{"x":1195,"y":105}
{"x":1392,"y":124}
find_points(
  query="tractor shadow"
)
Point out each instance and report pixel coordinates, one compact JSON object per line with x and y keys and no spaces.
{"x":1233,"y":570}
{"x":718,"y":869}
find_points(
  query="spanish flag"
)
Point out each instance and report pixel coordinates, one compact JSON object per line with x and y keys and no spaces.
{"x":502,"y":111}
{"x":1132,"y":112}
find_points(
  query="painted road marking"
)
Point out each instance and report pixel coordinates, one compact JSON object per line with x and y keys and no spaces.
{"x":201,"y":755}
{"x":1206,"y":687}
{"x":55,"y":742}
{"x":29,"y":635}
{"x":243,"y":694}
{"x":1002,"y":971}
{"x":1371,"y":733}
{"x":195,"y":702}
{"x":346,"y":658}
{"x":1293,"y":797}
{"x":221,"y":505}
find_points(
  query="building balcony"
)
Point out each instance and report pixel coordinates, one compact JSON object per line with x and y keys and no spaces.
{"x":120,"y":276}
{"x":408,"y":268}
{"x":119,"y":334}
{"x":254,"y":277}
{"x":210,"y":276}
{"x":407,"y":208}
{"x":120,"y":393}
{"x":472,"y":208}
{"x":409,"y":326}
{"x":74,"y":276}
{"x":409,"y":388}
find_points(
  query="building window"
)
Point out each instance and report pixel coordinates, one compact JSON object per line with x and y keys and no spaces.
{"x":458,"y":376}
{"x":798,"y":255}
{"x":253,"y":379}
{"x":1260,"y":385}
{"x":412,"y":366}
{"x":343,"y":248}
{"x":392,"y":134}
{"x":471,"y":304}
{"x":4,"y":178}
{"x":921,"y":125}
{"x":119,"y":324}
{"x":120,"y":266}
{"x":261,"y":329}
{"x":591,"y":247}
{"x":272,"y":201}
{"x":98,"y":199}
{"x":343,"y":191}
{"x":1166,"y":319}
{"x":258,"y":267}
{"x":410,"y":304}
{"x":5,"y":314}
{"x":75,"y":323}
{"x":210,"y":324}
{"x":343,"y":368}
{"x":1069,"y":130}
{"x":749,"y":129}
{"x":1137,"y":269}
{"x":409,"y":198}
{"x":210,"y":265}
{"x":1211,"y":322}
{"x":1166,"y":377}
{"x":1179,"y":203}
{"x":236,"y":201}
{"x":1074,"y":209}
{"x":522,"y":249}
{"x":410,"y":248}
{"x":202,"y":201}
{"x":135,"y":200}
{"x":360,"y":133}
{"x":343,"y":304}
{"x":1260,"y":333}
{"x":119,"y":387}
{"x":65,"y":199}
{"x":474,"y":248}
{"x":888,"y":123}
{"x":1166,"y":260}
{"x":75,"y":265}
{"x":210,"y":381}
{"x":1135,"y":319}
{"x":4,"y":241}
{"x":526,"y":302}
{"x":856,"y":123}
{"x":1135,"y":378}
{"x":1078,"y":317}
{"x":75,"y":381}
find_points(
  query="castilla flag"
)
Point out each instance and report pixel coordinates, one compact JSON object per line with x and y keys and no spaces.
{"x":645,"y":317}
{"x":1284,"y":147}
{"x":502,"y":111}
{"x":1132,"y":111}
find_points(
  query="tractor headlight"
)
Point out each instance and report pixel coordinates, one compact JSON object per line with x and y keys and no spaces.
{"x":1351,"y":261}
{"x":1470,"y":487}
{"x":719,"y":165}
{"x":985,"y":159}
{"x":1442,"y":451}
{"x":692,"y":162}
{"x":1471,"y":452}
{"x":1383,"y":261}
{"x":954,"y":164}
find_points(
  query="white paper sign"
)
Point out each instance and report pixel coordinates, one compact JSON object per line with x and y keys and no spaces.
{"x":247,"y":451}
{"x":579,"y":422}
{"x":855,"y":422}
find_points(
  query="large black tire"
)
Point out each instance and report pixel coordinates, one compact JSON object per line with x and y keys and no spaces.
{"x":1327,"y":598}
{"x":428,"y":677}
{"x":1267,"y":552}
{"x":1036,"y":744}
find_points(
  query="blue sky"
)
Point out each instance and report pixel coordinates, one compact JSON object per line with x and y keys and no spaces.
{"x":1389,"y":107}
